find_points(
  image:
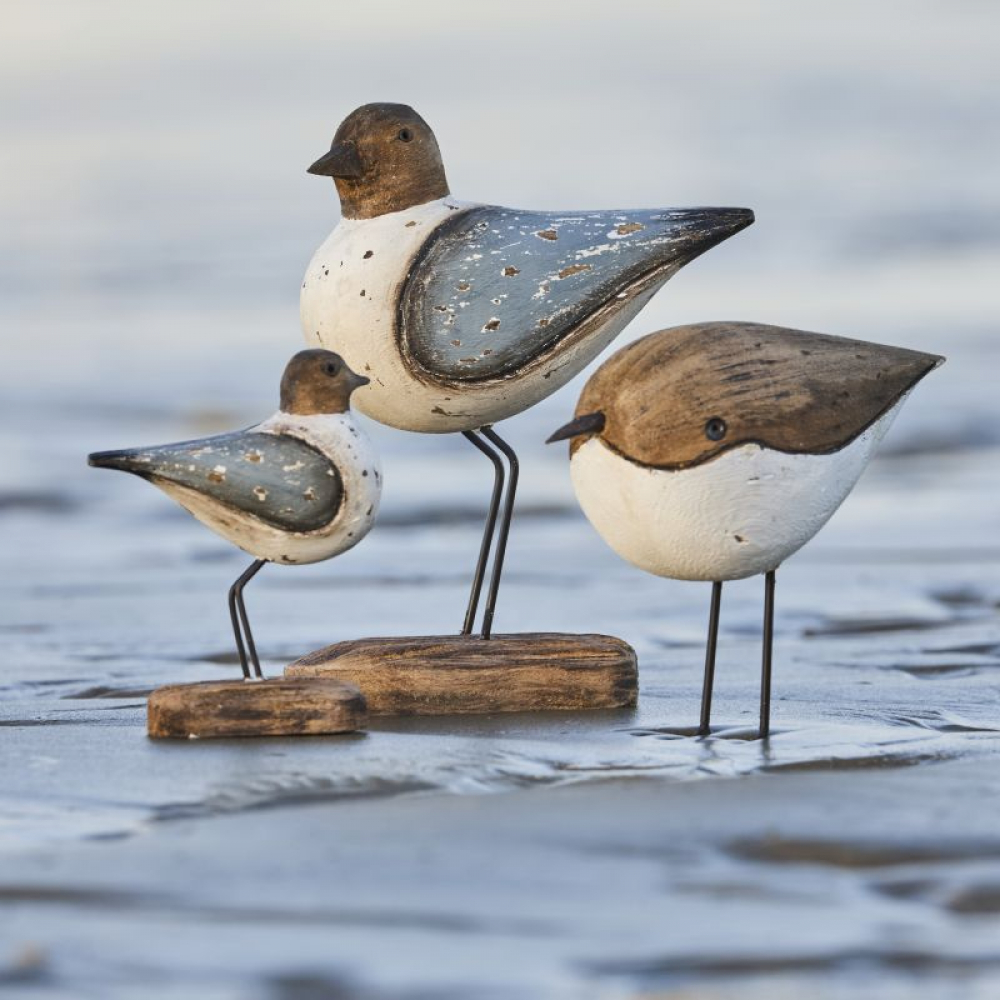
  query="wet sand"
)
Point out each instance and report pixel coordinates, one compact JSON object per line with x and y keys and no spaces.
{"x":619,"y":888}
{"x":570,"y":855}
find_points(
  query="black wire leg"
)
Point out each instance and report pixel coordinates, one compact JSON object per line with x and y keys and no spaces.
{"x":234,"y":618}
{"x":238,"y":615}
{"x":766,"y":657}
{"x":508,"y":513}
{"x":489,"y":531}
{"x":713,"y":636}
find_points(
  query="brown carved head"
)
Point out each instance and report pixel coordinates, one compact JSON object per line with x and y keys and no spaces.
{"x":384,"y":158}
{"x":318,"y":381}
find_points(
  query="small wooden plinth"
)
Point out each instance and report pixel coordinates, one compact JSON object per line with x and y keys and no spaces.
{"x":441,"y":674}
{"x":279,"y":707}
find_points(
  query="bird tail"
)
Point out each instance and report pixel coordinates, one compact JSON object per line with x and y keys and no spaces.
{"x":129,"y":460}
{"x":699,"y":229}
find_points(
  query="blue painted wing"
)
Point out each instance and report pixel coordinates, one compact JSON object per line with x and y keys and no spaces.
{"x":494,"y":288}
{"x":279,"y":479}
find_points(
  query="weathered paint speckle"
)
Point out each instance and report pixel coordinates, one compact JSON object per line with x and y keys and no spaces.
{"x":275,"y":478}
{"x":408,"y":345}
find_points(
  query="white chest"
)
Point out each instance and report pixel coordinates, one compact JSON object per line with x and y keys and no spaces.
{"x":351,"y":287}
{"x":349,"y":300}
{"x":740,"y":514}
{"x":340,"y":438}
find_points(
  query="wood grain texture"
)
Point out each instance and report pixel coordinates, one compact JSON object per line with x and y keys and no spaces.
{"x":433,"y":675}
{"x":790,"y":390}
{"x":279,"y":707}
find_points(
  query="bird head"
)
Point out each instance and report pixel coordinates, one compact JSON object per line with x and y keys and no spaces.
{"x":318,"y":381}
{"x":384,"y":158}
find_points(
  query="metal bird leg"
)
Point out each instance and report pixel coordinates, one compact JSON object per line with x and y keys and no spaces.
{"x":768,"y":645}
{"x":508,"y":512}
{"x":238,"y":616}
{"x":713,"y":635}
{"x":491,"y":523}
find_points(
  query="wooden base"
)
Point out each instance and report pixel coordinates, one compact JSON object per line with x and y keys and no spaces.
{"x":440,"y":674}
{"x":279,"y":707}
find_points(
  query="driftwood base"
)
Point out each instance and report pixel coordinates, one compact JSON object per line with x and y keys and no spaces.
{"x":441,"y":674}
{"x":279,"y":707}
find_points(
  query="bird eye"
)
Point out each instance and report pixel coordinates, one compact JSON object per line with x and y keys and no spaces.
{"x":715,"y":429}
{"x":405,"y":135}
{"x":331,"y":368}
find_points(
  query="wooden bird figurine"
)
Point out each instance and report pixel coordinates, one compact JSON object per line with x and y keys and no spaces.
{"x":465,"y":314}
{"x":716,"y":451}
{"x":299,"y":487}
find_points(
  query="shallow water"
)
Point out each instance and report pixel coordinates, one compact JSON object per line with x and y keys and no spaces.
{"x":149,"y":294}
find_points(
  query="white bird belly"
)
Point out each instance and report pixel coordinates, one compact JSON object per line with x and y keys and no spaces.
{"x":348,"y":304}
{"x":739,"y":514}
{"x":340,"y":438}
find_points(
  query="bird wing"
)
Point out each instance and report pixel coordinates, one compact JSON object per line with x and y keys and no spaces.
{"x":790,"y":390}
{"x":493,"y":288}
{"x":278,"y":478}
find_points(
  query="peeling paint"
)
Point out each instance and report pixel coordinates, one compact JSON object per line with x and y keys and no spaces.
{"x":261,"y":467}
{"x":574,"y":269}
{"x":456,"y":262}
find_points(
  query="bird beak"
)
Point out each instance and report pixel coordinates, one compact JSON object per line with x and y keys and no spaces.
{"x":589,"y":423}
{"x":342,"y":161}
{"x":356,"y":381}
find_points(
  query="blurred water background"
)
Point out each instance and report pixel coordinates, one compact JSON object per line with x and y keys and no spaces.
{"x":156,"y":219}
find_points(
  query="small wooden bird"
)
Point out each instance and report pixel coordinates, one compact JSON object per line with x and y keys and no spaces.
{"x":299,"y":487}
{"x":467,"y":313}
{"x":715,"y":451}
